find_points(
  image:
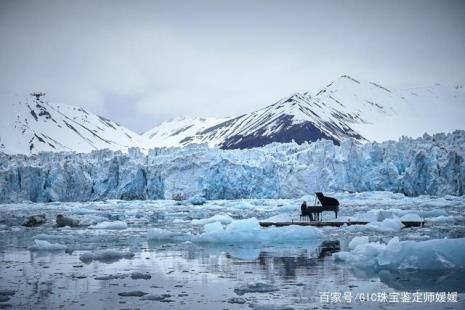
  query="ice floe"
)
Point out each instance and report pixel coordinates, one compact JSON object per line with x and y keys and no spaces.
{"x":435,"y":254}
{"x":110,"y":225}
{"x":43,"y":245}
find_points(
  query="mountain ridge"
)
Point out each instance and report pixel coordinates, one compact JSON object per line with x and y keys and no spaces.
{"x":345,"y":108}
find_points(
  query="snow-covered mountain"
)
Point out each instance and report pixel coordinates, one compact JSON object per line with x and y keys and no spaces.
{"x":345,"y":108}
{"x":181,"y":130}
{"x":29,"y":126}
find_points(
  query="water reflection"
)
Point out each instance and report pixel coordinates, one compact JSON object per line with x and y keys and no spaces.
{"x":425,"y":280}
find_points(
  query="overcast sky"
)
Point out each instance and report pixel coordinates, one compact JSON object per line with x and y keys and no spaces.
{"x":141,"y":62}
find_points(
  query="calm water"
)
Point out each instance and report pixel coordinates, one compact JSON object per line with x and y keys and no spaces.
{"x":201,"y":276}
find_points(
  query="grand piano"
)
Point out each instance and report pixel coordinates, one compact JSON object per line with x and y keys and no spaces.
{"x":322,"y":203}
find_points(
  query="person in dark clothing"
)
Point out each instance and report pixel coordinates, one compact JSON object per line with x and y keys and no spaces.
{"x":305,"y":211}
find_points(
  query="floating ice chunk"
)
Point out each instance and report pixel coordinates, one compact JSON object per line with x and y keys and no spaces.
{"x":249,"y":230}
{"x":411,"y":217}
{"x":255,"y":287}
{"x":42,"y":245}
{"x":432,"y":213}
{"x":106,"y":256}
{"x":437,"y":254}
{"x":222,"y":218}
{"x":279,"y":218}
{"x":387,"y":225}
{"x":197,"y":200}
{"x":440,"y":203}
{"x":442,"y":219}
{"x":160,"y":234}
{"x":213,"y":227}
{"x":357,"y":241}
{"x":110,"y":225}
{"x":81,"y":211}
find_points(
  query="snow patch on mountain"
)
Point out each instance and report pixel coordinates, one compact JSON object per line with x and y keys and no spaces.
{"x":180,"y":131}
{"x":30,"y":126}
{"x":345,"y":108}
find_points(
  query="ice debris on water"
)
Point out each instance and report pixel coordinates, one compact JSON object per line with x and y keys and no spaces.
{"x":160,"y":234}
{"x":43,"y":245}
{"x":411,"y":217}
{"x":222,"y":218}
{"x":241,"y":231}
{"x":197,"y":200}
{"x":255,"y":287}
{"x":105,"y":256}
{"x":110,"y":225}
{"x":435,"y":254}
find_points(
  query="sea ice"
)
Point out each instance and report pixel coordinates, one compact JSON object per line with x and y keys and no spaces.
{"x":411,"y":217}
{"x":357,"y":241}
{"x":436,"y":254}
{"x":110,"y":225}
{"x":255,"y":287}
{"x":249,"y":230}
{"x":42,"y":245}
{"x":222,"y":218}
{"x":160,"y":234}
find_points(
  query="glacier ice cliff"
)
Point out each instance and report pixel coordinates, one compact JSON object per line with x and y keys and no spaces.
{"x":428,"y":165}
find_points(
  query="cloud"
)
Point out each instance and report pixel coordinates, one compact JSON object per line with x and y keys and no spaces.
{"x":140,"y":63}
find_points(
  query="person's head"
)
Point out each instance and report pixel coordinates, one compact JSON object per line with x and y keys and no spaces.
{"x":305,"y":202}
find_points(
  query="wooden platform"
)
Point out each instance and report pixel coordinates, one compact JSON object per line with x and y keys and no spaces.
{"x":334,"y":224}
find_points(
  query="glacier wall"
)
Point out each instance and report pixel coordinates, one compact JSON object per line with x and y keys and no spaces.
{"x":427,"y":165}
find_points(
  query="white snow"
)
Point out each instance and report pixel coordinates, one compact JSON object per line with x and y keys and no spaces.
{"x":28,"y":126}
